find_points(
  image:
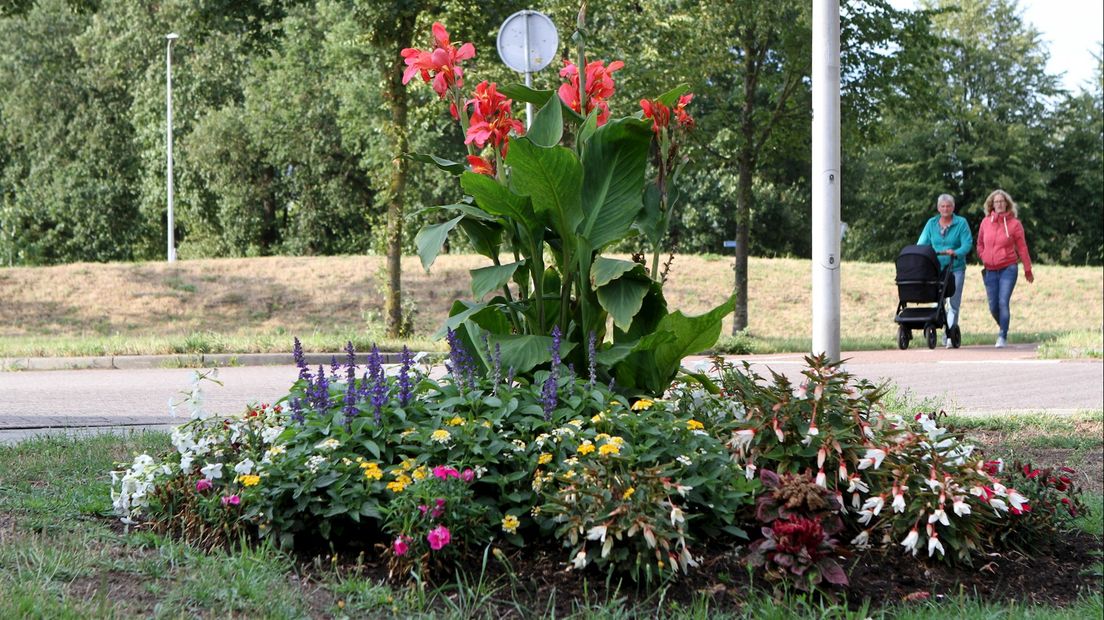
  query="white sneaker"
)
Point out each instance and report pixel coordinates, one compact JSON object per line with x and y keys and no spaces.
{"x":1000,"y":342}
{"x":946,"y":342}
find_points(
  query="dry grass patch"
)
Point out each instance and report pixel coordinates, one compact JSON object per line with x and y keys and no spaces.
{"x":300,"y":295}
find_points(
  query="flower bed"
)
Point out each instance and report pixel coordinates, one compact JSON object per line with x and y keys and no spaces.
{"x":433,"y":471}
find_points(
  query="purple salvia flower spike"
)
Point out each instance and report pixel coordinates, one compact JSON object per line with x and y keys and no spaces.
{"x":404,"y":376}
{"x":592,"y":360}
{"x":300,"y":360}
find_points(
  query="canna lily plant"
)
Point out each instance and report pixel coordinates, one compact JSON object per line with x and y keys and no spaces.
{"x":553,"y":199}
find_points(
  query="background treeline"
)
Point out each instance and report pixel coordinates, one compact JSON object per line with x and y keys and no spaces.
{"x":286,"y":134}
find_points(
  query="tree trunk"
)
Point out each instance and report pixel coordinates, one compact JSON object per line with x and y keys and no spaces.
{"x":743,"y":219}
{"x":396,"y":97}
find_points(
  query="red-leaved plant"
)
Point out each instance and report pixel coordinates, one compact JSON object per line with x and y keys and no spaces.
{"x":801,"y":519}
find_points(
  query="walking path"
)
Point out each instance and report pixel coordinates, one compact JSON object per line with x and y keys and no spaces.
{"x":967,"y":380}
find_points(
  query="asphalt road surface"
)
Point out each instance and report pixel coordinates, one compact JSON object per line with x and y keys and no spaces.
{"x":967,"y":380}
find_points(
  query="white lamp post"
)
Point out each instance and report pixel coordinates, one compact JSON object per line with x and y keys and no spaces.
{"x":172,"y":36}
{"x":826,"y":178}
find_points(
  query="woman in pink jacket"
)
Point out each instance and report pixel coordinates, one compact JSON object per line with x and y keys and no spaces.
{"x":1001,"y":246}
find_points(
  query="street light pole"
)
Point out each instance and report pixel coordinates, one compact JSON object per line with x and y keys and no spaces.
{"x":826,"y":178}
{"x":172,"y":36}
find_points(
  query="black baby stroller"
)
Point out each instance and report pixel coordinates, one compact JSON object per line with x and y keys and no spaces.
{"x":921,"y":281}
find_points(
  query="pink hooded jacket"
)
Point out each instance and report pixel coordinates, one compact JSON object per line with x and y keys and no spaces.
{"x":1000,"y":237}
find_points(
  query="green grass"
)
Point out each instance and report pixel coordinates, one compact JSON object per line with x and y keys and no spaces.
{"x":61,"y":558}
{"x":199,"y":343}
{"x":1078,"y":344}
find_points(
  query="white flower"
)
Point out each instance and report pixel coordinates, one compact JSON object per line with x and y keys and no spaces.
{"x":580,"y":559}
{"x":933,"y":544}
{"x":741,"y":440}
{"x":314,"y":462}
{"x":857,"y":484}
{"x":821,"y":479}
{"x":598,"y":532}
{"x":327,"y":444}
{"x":998,"y":504}
{"x":1000,"y":489}
{"x":685,"y":460}
{"x":270,"y":433}
{"x":909,"y":543}
{"x":961,"y":508}
{"x":676,"y":515}
{"x":1018,"y":501}
{"x":899,"y":502}
{"x":862,"y":540}
{"x":939,"y":515}
{"x":865,"y":516}
{"x":244,"y":468}
{"x":211,"y":471}
{"x":873,"y":456}
{"x":874,"y":504}
{"x":186,"y":463}
{"x":843,"y":471}
{"x":749,"y":471}
{"x":934,"y":484}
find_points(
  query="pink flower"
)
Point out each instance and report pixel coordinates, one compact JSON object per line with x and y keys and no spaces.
{"x":599,"y":87}
{"x":438,"y":537}
{"x":401,"y":545}
{"x":443,"y":472}
{"x":203,"y":485}
{"x":481,"y":166}
{"x":490,"y":119}
{"x":439,"y":65}
{"x":439,"y":509}
{"x":231,"y":500}
{"x":467,"y":475}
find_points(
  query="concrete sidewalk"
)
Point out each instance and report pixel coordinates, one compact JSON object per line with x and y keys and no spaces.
{"x":199,"y":360}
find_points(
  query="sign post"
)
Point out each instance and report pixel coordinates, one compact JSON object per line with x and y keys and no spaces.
{"x":527,"y":42}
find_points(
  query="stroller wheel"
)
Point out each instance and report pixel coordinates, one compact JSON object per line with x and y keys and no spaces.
{"x":956,"y":336}
{"x":929,"y":333}
{"x":904,"y":334}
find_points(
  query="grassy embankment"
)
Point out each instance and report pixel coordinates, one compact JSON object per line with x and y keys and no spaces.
{"x":259,"y":304}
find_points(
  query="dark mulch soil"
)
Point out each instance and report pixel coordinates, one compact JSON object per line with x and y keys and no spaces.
{"x":1056,"y":576}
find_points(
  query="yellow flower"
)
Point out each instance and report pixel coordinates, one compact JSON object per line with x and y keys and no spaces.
{"x":487,"y":423}
{"x":408,"y":464}
{"x":456,"y":421}
{"x":569,"y":474}
{"x":576,"y":423}
{"x":694,"y":425}
{"x":420,"y":473}
{"x":586,"y":448}
{"x":249,"y":480}
{"x":398,"y":485}
{"x":372,"y":471}
{"x":617,"y":441}
{"x":407,"y":432}
{"x":441,"y":436}
{"x":544,"y":459}
{"x":628,"y":493}
{"x":510,"y":524}
{"x":601,"y":437}
{"x":596,"y":418}
{"x":609,"y":448}
{"x":642,"y":404}
{"x":275,"y":450}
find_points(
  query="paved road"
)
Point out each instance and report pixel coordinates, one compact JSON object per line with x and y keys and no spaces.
{"x":967,"y":380}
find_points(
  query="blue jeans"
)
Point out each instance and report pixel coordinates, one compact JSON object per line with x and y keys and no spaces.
{"x":999,"y":285}
{"x":955,"y":300}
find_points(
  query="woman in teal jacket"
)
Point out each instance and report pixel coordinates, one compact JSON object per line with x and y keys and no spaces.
{"x":949,"y":235}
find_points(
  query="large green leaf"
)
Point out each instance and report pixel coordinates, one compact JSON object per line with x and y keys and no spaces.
{"x":553,"y":179}
{"x":547,"y":127}
{"x":693,"y":334}
{"x":496,"y":199}
{"x":622,"y":298}
{"x":452,"y":167}
{"x":614,"y":163}
{"x":430,"y":239}
{"x":523,"y":353}
{"x":487,"y":279}
{"x":485,"y":237}
{"x":467,"y":208}
{"x":604,"y":270}
{"x":460,"y":312}
{"x":670,"y":98}
{"x":521,"y":92}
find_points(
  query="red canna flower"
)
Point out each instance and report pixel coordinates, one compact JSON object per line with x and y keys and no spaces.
{"x":490,"y":118}
{"x":659,"y":113}
{"x":599,"y":87}
{"x":440,"y":65}
{"x":480,"y":166}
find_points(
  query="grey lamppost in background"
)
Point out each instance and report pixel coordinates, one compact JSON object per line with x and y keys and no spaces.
{"x":527,"y":42}
{"x":172,"y":36}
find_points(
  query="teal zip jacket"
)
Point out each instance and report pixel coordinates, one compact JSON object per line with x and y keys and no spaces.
{"x":957,"y":238}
